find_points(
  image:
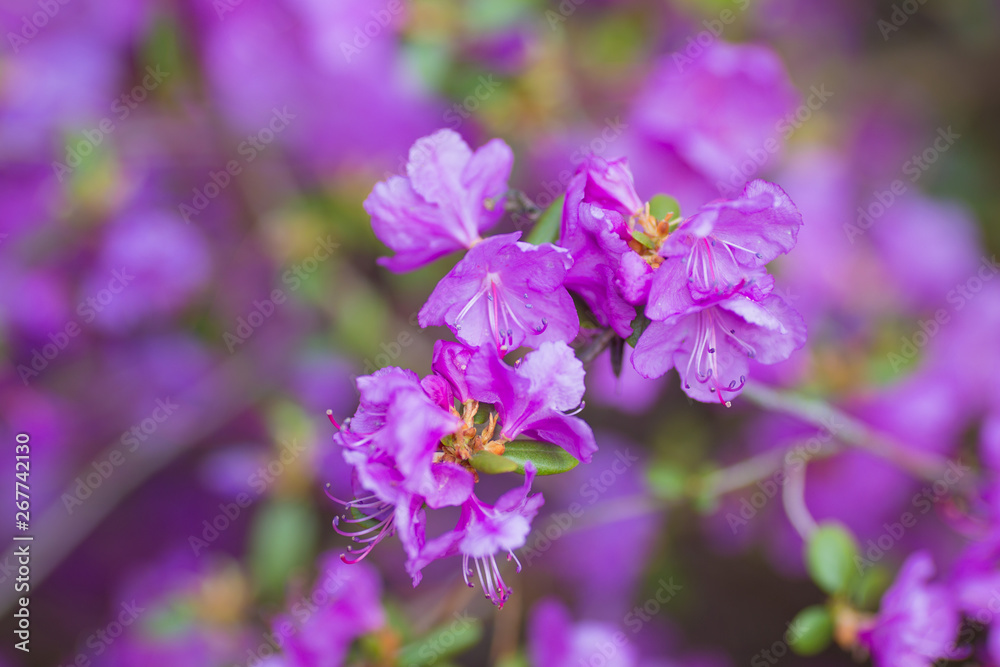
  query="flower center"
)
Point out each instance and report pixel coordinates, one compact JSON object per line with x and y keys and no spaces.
{"x":648,"y":234}
{"x":463,"y":444}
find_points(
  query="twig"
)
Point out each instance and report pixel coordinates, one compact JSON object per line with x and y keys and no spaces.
{"x":593,"y":349}
{"x":793,"y":497}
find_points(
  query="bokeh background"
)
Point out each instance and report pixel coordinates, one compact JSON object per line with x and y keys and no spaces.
{"x":188,"y":282}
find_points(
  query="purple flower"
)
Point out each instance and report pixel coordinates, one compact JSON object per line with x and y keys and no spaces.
{"x":607,"y":272}
{"x":722,"y":114}
{"x":344,"y":605}
{"x":711,"y":344}
{"x":723,"y":247}
{"x":483,"y":531}
{"x":917,"y":623}
{"x":505,"y":293}
{"x":532,"y":397}
{"x":554,"y":641}
{"x":391,"y":441}
{"x":449,"y":196}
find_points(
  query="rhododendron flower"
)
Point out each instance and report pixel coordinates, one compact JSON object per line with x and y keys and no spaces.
{"x":533,"y":397}
{"x":711,"y":344}
{"x":504,"y":293}
{"x":448,"y":197}
{"x":390,"y":442}
{"x":483,"y":531}
{"x":918,"y":621}
{"x":607,"y":273}
{"x":726,"y":244}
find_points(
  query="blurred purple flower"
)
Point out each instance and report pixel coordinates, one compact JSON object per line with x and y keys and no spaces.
{"x":504,"y":293}
{"x":151,"y":265}
{"x":918,"y":621}
{"x":319,"y":634}
{"x":450,"y":196}
{"x":555,"y":641}
{"x":717,"y":118}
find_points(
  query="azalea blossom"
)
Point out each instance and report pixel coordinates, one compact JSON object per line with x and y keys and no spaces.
{"x":711,"y":344}
{"x":450,"y":195}
{"x":505,"y":293}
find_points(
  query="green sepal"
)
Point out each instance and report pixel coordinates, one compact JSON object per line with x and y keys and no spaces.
{"x":491,"y":464}
{"x":546,"y":230}
{"x":548,"y":459}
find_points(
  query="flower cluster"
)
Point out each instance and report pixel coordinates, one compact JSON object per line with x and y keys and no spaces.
{"x":419,"y":444}
{"x":698,"y":285}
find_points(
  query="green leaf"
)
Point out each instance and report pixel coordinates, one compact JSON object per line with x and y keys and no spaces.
{"x":644,"y":239}
{"x":811,"y":631}
{"x":546,"y":230}
{"x":483,"y":414}
{"x":660,"y":206}
{"x":587,"y":318}
{"x":461,"y":634}
{"x":667,"y":481}
{"x":548,"y":459}
{"x":282,"y":541}
{"x":639,"y":325}
{"x":830,"y":555}
{"x":492,"y":464}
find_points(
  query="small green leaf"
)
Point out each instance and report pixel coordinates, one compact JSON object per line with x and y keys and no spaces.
{"x":546,"y":230}
{"x":587,"y":318}
{"x":660,"y":206}
{"x":491,"y":464}
{"x":639,"y":325}
{"x":830,"y":555}
{"x":644,"y":239}
{"x":548,"y":459}
{"x":461,"y":634}
{"x":811,"y":631}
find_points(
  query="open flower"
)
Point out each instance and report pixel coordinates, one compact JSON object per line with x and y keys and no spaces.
{"x":504,"y":293}
{"x":484,"y":531}
{"x":532,"y":398}
{"x":711,"y":344}
{"x":448,"y":197}
{"x":726,"y":244}
{"x":391,"y":442}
